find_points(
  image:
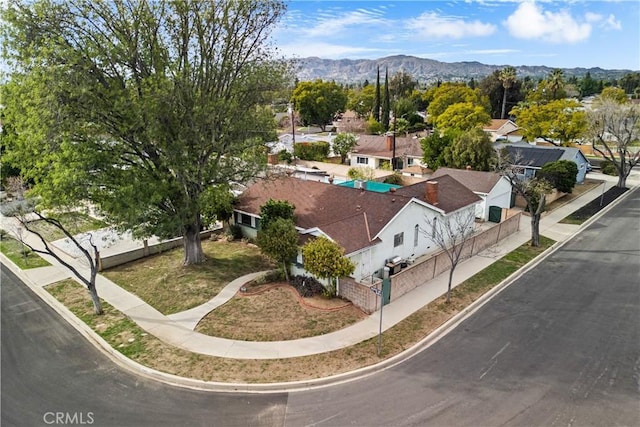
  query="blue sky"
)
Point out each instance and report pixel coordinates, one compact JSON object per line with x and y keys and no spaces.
{"x":563,"y":34}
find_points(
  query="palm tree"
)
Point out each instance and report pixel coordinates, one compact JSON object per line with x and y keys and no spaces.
{"x":556,"y":81}
{"x":508,"y":77}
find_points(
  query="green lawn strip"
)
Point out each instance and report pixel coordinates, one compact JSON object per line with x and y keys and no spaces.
{"x":170,"y":287}
{"x":20,"y":255}
{"x":74,"y":222}
{"x":116,"y":328}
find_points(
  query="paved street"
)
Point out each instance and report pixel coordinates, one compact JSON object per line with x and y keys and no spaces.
{"x":561,"y":346}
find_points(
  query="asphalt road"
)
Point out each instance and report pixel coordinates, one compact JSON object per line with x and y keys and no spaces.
{"x":559,"y":347}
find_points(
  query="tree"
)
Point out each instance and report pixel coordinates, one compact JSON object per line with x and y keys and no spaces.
{"x":217,"y":204}
{"x":325,"y":259}
{"x":561,"y":174}
{"x":434,"y":148}
{"x":556,"y":83}
{"x":614,"y":128}
{"x":343,"y":144}
{"x":318,"y":102}
{"x":588,"y":85}
{"x":561,"y":120}
{"x":450,"y":234}
{"x":401,"y":85}
{"x":378,"y":100}
{"x":137,"y":107}
{"x":533,"y":190}
{"x":27,"y":214}
{"x":615,"y":94}
{"x":386,"y":102}
{"x":362,"y":101}
{"x":448,"y":94}
{"x":279,"y":241}
{"x":463,"y":116}
{"x":508,"y":77}
{"x":274,"y":209}
{"x":471,"y":148}
{"x":492,"y":88}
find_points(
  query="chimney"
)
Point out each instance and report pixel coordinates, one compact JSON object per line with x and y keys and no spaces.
{"x":432,"y":193}
{"x":389,"y":142}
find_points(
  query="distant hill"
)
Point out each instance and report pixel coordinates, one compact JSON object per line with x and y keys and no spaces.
{"x":425,"y":70}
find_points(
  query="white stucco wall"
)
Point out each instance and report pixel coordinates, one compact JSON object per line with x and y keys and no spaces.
{"x":500,"y":195}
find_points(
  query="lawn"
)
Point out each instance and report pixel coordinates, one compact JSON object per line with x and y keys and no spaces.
{"x":278,"y":313}
{"x":170,"y":287}
{"x":74,"y":222}
{"x":19,"y":254}
{"x":118,"y":330}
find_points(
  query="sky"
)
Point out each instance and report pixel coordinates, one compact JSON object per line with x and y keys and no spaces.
{"x":559,"y":34}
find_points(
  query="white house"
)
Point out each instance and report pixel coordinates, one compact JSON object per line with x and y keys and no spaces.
{"x":493,"y":189}
{"x":376,"y":151}
{"x":372,"y":227}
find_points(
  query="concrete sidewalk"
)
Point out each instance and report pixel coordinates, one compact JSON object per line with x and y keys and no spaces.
{"x":177,"y":329}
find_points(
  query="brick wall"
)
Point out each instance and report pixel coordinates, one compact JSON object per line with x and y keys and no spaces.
{"x":360,"y":294}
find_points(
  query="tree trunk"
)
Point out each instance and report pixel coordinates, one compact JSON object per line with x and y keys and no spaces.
{"x":449,"y":287}
{"x":286,"y":271}
{"x":535,"y":230}
{"x":97,"y":305}
{"x":193,"y":253}
{"x":504,"y":103}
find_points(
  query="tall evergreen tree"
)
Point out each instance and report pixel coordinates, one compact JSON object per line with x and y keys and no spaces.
{"x":376,"y":104}
{"x":385,"y":101}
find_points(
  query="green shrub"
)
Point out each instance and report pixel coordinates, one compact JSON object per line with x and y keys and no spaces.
{"x":235,"y":232}
{"x":285,"y":156}
{"x":607,"y":167}
{"x":395,"y":179}
{"x":317,"y":151}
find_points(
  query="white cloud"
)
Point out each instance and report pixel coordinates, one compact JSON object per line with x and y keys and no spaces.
{"x":531,"y":22}
{"x":332,"y":24}
{"x":324,"y":50}
{"x":432,"y":25}
{"x":612,"y":23}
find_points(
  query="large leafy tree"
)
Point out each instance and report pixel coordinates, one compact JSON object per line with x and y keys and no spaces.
{"x":401,"y":85}
{"x":560,"y":120}
{"x":448,"y":94}
{"x":471,"y":148}
{"x":325,"y":259}
{"x":137,"y":106}
{"x":318,"y":102}
{"x":614,"y":128}
{"x":463,"y":116}
{"x":362,"y":101}
{"x":435,"y":146}
{"x":274,"y":209}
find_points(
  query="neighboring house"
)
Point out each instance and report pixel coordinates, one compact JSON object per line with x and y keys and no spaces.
{"x":286,"y":141}
{"x":371,"y":227}
{"x":501,"y":129}
{"x":376,"y":151}
{"x":492,"y":188}
{"x":533,"y":158}
{"x":350,"y":122}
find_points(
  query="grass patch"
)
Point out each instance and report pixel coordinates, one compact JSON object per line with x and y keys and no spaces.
{"x":19,"y":254}
{"x":161,"y":356}
{"x":276,"y":314}
{"x":170,"y":287}
{"x":74,"y":223}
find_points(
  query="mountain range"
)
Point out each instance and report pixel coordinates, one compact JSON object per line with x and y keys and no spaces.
{"x":425,"y":71}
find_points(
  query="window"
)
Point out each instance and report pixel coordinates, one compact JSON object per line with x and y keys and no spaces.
{"x":409,"y":161}
{"x":416,"y":230}
{"x":245,"y":220}
{"x":362,"y":160}
{"x":398,"y":240}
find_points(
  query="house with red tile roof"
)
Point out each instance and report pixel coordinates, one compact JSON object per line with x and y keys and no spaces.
{"x":492,"y":188}
{"x":376,"y":151}
{"x":372,"y":227}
